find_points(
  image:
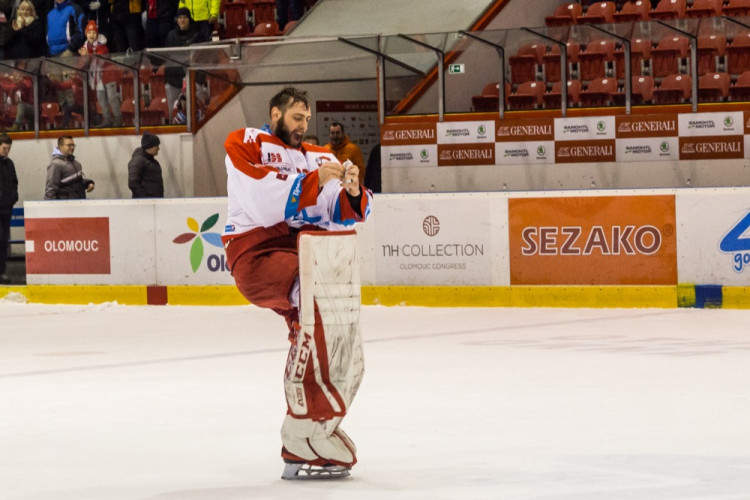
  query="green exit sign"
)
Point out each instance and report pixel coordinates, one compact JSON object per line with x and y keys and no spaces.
{"x":456,"y":69}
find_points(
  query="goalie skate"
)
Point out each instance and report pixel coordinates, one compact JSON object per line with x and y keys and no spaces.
{"x":305,"y":471}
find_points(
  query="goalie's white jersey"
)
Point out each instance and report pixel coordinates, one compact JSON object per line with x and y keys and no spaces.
{"x":269,"y":182}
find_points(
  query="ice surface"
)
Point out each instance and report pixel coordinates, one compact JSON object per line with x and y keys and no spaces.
{"x":122,"y":402}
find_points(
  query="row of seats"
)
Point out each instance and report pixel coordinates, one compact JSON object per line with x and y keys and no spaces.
{"x":640,"y":10}
{"x":245,"y":18}
{"x":673,"y":89}
{"x":602,"y":58}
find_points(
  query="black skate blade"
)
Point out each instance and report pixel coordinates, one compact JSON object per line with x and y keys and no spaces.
{"x":307,"y":472}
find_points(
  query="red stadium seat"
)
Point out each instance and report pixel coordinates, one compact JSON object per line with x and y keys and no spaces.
{"x":528,"y":95}
{"x":593,"y":60}
{"x":713,"y":87}
{"x":553,"y":98}
{"x":666,"y":57}
{"x":489,"y":100}
{"x":641,"y":91}
{"x":705,"y":8}
{"x":741,"y":90}
{"x":710,"y":49}
{"x":737,"y":8}
{"x":565,"y":14}
{"x":598,"y":13}
{"x":551,"y":61}
{"x":669,"y":9}
{"x":234,"y":19}
{"x":674,"y":89}
{"x":633,"y":11}
{"x":640,"y":51}
{"x":523,"y":65}
{"x":267,"y":29}
{"x":263,"y":11}
{"x":738,"y":54}
{"x":51,"y":117}
{"x":599,"y":92}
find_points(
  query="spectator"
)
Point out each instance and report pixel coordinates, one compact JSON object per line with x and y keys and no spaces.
{"x":179,"y":110}
{"x":204,"y":14}
{"x":160,"y":16}
{"x":65,"y":178}
{"x":98,"y":11}
{"x":288,"y":10}
{"x":70,"y":91}
{"x":8,"y":198}
{"x":344,"y":149}
{"x":127,"y":28}
{"x":373,"y":174}
{"x":19,"y":88}
{"x":28,"y":40}
{"x":102,"y":77}
{"x":6,"y":30}
{"x":144,"y":172}
{"x":311,"y":139}
{"x":183,"y":35}
{"x":64,"y":28}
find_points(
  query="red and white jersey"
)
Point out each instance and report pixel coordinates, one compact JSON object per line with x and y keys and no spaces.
{"x":269,"y":182}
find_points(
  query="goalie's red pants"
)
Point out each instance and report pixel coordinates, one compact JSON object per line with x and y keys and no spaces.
{"x":264,"y":265}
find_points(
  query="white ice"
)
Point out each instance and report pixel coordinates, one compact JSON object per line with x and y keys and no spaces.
{"x":173,"y":403}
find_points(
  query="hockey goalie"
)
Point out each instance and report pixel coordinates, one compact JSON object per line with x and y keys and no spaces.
{"x":291,"y":248}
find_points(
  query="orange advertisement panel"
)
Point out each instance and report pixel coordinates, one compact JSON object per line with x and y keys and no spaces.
{"x":68,"y":245}
{"x":541,"y":129}
{"x":638,"y":126}
{"x":712,"y":147}
{"x":596,"y":150}
{"x":602,"y":240}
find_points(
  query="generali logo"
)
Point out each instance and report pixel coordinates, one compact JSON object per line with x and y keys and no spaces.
{"x":526,"y":130}
{"x":585,"y":151}
{"x":408,"y":134}
{"x":650,"y":126}
{"x":716,"y":147}
{"x":466,"y":154}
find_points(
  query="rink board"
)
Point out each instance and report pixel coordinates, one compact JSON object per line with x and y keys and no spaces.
{"x":620,"y":248}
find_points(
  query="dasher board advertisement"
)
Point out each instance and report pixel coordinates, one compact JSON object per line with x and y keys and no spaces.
{"x":714,"y":236}
{"x":593,"y":240}
{"x":433,"y":241}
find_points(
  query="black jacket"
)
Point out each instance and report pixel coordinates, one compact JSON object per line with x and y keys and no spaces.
{"x":8,"y":185}
{"x":144,"y":176}
{"x":173,"y":73}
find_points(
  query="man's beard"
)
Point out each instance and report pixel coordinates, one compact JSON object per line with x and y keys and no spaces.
{"x":284,"y":133}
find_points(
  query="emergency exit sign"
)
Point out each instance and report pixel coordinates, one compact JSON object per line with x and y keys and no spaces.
{"x":455,"y":69}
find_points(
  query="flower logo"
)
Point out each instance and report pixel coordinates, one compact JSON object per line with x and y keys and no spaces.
{"x":196,"y":249}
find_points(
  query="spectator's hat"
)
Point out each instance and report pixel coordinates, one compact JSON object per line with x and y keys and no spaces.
{"x":149,"y":140}
{"x":184,"y":11}
{"x":91,"y":26}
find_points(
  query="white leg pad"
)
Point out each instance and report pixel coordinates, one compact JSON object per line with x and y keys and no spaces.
{"x":326,"y":364}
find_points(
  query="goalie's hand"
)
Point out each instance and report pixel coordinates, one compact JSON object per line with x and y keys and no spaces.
{"x":329,"y":171}
{"x":351,"y":178}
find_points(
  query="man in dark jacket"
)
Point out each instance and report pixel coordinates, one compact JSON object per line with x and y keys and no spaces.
{"x":144,"y":171}
{"x":8,"y":198}
{"x":65,"y":178}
